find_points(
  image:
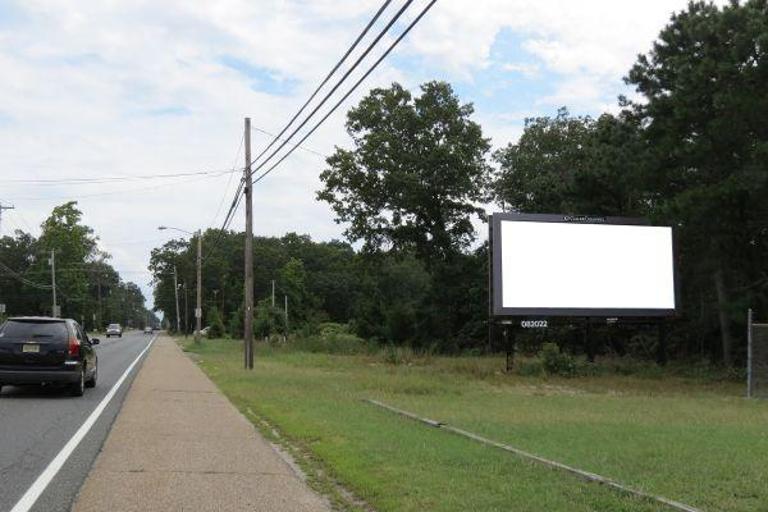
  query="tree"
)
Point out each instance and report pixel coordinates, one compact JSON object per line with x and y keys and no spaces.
{"x":75,"y":246}
{"x":416,"y":175}
{"x":705,"y":108}
{"x":215,"y":323}
{"x":573,"y":165}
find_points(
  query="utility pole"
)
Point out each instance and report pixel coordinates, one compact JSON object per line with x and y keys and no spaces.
{"x":248,"y":323}
{"x":176,"y":292}
{"x":52,"y":261}
{"x":1,"y":214}
{"x":273,"y":293}
{"x":286,"y":316}
{"x":186,"y":309}
{"x":199,"y":309}
{"x":98,"y":323}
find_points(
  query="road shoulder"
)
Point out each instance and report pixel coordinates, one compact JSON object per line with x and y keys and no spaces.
{"x":179,"y":444}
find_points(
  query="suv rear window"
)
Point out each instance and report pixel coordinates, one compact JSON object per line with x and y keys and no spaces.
{"x":32,"y":330}
{"x":113,"y":326}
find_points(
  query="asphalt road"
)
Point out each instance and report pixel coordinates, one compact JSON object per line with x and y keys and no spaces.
{"x":36,"y":423}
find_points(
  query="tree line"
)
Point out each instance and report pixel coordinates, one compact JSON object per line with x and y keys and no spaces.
{"x":689,"y":150}
{"x":88,"y":288}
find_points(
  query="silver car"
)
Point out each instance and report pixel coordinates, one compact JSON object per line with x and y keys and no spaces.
{"x":114,"y":330}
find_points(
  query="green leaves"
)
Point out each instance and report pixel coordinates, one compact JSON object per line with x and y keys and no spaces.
{"x":416,"y":176}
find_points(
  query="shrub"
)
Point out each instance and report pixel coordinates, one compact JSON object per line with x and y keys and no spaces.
{"x":530,"y":367}
{"x":557,"y":362}
{"x":215,"y":323}
{"x":332,"y":341}
{"x":395,"y":355}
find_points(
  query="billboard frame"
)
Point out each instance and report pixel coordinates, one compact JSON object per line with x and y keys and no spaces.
{"x":498,"y":311}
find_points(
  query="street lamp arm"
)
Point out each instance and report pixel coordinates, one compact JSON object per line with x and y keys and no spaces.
{"x":163,"y":228}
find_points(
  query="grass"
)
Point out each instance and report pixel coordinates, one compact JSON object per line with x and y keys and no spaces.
{"x":685,"y":439}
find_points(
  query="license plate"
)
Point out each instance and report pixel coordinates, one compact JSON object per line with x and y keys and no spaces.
{"x":30,"y":348}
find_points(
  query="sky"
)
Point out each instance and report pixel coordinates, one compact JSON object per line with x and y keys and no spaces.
{"x":136,"y":88}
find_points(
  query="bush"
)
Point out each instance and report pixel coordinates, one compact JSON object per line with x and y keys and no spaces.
{"x":331,"y":341}
{"x":394,"y":355}
{"x":530,"y":367}
{"x":215,"y":324}
{"x":557,"y":362}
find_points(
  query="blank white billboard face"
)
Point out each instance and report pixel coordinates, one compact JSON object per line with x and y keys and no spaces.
{"x":586,"y":266}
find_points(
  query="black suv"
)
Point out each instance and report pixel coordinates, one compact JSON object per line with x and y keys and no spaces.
{"x":43,"y":350}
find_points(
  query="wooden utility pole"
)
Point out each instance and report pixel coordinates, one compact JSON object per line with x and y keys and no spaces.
{"x":186,"y":308}
{"x":199,"y":308}
{"x":248,"y":321}
{"x":55,"y":308}
{"x":1,"y":214}
{"x":286,"y":315}
{"x":176,"y":293}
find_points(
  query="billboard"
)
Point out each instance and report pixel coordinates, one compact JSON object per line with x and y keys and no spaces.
{"x":561,"y":265}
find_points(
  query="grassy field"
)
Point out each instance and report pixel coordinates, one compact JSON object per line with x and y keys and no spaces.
{"x":699,"y":443}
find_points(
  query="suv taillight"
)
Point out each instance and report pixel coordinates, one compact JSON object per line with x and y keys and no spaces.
{"x":74,"y":347}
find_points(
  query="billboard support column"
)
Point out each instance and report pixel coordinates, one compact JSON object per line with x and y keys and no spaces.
{"x":490,"y":284}
{"x":509,"y":347}
{"x":661,"y":347}
{"x":589,"y":346}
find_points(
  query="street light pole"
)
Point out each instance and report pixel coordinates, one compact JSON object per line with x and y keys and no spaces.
{"x":176,"y":292}
{"x":199,"y":309}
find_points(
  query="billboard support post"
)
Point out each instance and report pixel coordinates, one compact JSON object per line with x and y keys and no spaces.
{"x":509,"y":347}
{"x":661,"y":347}
{"x":490,"y":284}
{"x":589,"y":346}
{"x":749,"y":353}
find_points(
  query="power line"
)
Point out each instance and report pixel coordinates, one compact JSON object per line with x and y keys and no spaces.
{"x":349,"y":92}
{"x":122,"y":191}
{"x":330,"y":74}
{"x":19,"y":277}
{"x":265,"y":132}
{"x":229,"y":181}
{"x":107,"y":179}
{"x":335,"y":87}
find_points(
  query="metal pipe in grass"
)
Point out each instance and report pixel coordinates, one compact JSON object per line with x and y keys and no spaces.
{"x":586,"y":475}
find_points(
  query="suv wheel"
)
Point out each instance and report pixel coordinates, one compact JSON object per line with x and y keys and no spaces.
{"x":91,"y":383}
{"x":78,"y":388}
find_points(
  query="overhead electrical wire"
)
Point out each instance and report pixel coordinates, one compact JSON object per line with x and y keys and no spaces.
{"x":113,"y":193}
{"x":20,"y":277}
{"x":348,"y":93}
{"x":308,"y":150}
{"x":229,"y":181}
{"x":108,"y":179}
{"x":330,"y":93}
{"x":284,"y":141}
{"x":330,"y":74}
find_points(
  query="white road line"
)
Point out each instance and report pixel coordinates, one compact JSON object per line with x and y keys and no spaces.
{"x":38,"y":487}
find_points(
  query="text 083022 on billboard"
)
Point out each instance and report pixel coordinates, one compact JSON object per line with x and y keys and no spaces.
{"x":560,"y":265}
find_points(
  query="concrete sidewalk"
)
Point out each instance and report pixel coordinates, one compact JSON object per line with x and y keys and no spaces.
{"x":179,"y":444}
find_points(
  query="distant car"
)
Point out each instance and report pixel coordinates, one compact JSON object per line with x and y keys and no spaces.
{"x":45,"y":350}
{"x":205,"y":330}
{"x":148,"y":330}
{"x":114,"y":330}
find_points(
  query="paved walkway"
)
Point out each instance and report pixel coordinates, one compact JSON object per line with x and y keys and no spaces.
{"x":179,"y":444}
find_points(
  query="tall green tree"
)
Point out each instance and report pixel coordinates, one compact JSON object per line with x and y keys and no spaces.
{"x":705,"y":106}
{"x":574,"y":165}
{"x":416,"y":176}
